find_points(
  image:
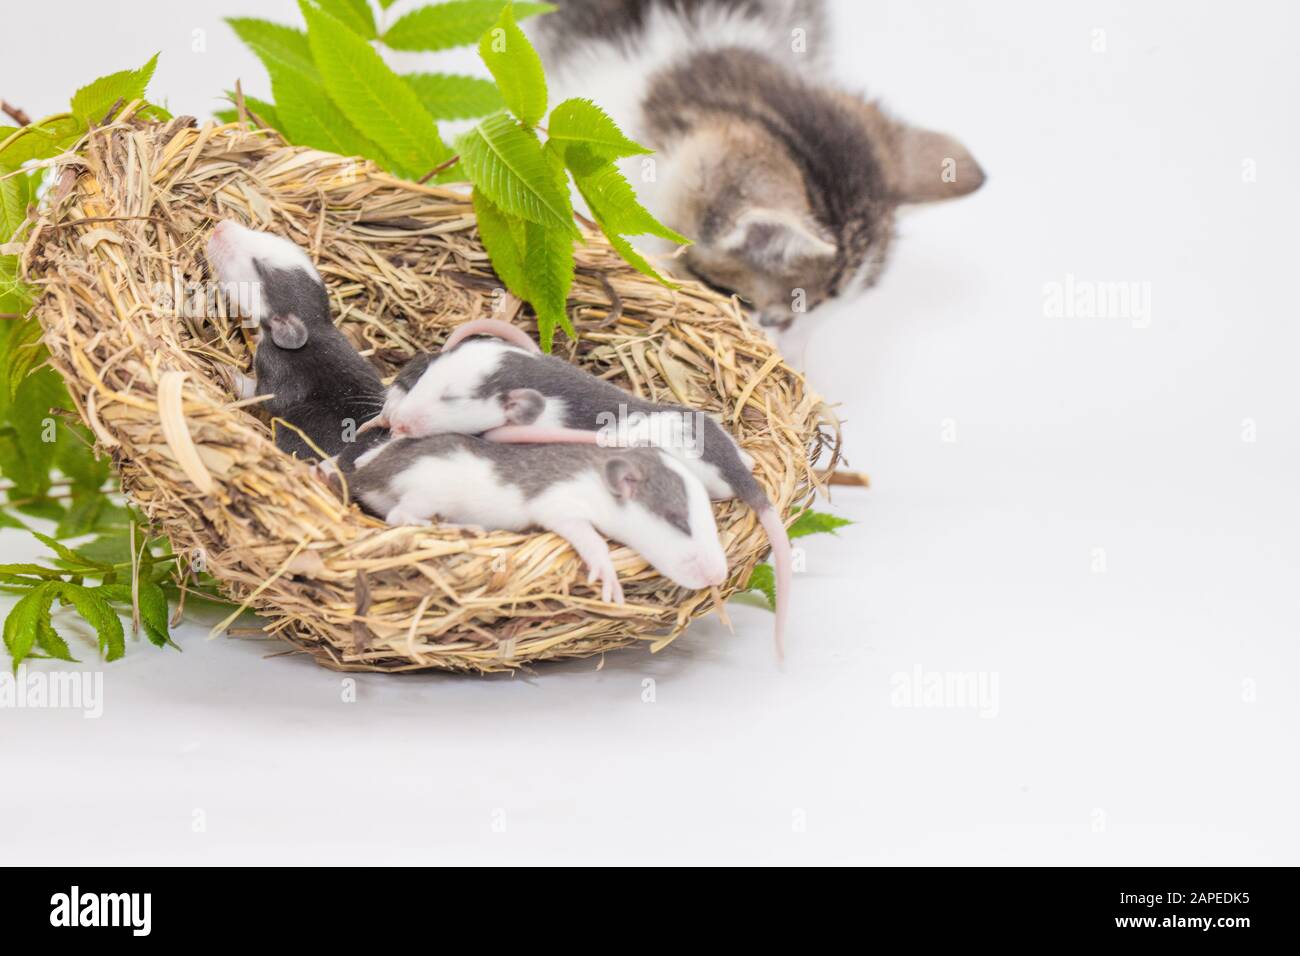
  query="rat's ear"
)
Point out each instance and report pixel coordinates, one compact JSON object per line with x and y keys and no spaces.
{"x":523,"y":406}
{"x":288,"y":331}
{"x":777,"y":238}
{"x":623,"y":478}
{"x":933,"y":166}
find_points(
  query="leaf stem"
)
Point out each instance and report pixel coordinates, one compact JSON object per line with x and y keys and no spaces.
{"x":440,"y":168}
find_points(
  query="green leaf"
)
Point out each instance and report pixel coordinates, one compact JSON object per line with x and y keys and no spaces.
{"x":310,"y":118}
{"x":516,"y":67}
{"x":442,"y":26}
{"x":74,"y":456}
{"x":278,"y":47}
{"x":22,"y":625}
{"x":611,"y":198}
{"x":91,"y":103}
{"x":582,"y":122}
{"x":548,"y":261}
{"x":448,"y":96}
{"x":9,"y":521}
{"x":764,"y":579}
{"x":32,"y":424}
{"x":507,"y":163}
{"x":41,"y":140}
{"x":82,"y":515}
{"x":106,"y":549}
{"x":154,"y":613}
{"x":34,"y":570}
{"x":15,"y":193}
{"x":48,"y":509}
{"x":97,"y":612}
{"x":23,"y":351}
{"x":816,"y":522}
{"x":503,"y":237}
{"x":634,"y":258}
{"x":383,"y":107}
{"x":385,"y":4}
{"x":68,"y":554}
{"x":353,"y":14}
{"x":153,"y":607}
{"x":47,"y":638}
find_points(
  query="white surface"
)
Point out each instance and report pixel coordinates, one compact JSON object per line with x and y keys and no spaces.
{"x":1121,"y":732}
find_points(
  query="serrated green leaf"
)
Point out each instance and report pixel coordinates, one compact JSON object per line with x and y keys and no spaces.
{"x":68,"y":554}
{"x":516,"y":67}
{"x":106,"y":549}
{"x":634,"y":258}
{"x":41,"y":140}
{"x":33,"y":423}
{"x":385,"y":4}
{"x":448,"y":96}
{"x":74,"y":456}
{"x":383,"y":107}
{"x":582,"y":122}
{"x":82,"y":514}
{"x":48,"y":639}
{"x":22,"y":625}
{"x":278,"y":47}
{"x":816,"y":522}
{"x":443,"y":26}
{"x":46,"y":508}
{"x":33,"y":570}
{"x":548,"y":260}
{"x":91,"y":103}
{"x":99,"y":614}
{"x":153,"y":607}
{"x":610,"y":196}
{"x":23,"y":351}
{"x":764,"y":579}
{"x":9,"y":521}
{"x":503,"y":238}
{"x":507,"y":163}
{"x":310,"y":118}
{"x":15,"y":193}
{"x":353,"y":14}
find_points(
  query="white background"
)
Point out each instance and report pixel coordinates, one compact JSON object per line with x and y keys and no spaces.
{"x":1146,"y":714}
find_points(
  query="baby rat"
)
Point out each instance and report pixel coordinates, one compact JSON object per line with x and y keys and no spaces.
{"x":638,"y":496}
{"x":482,"y":385}
{"x":320,"y":384}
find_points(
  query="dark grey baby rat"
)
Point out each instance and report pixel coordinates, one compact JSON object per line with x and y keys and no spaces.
{"x":320,"y":384}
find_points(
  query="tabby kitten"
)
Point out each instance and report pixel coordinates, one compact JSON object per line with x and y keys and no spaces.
{"x":788,"y":185}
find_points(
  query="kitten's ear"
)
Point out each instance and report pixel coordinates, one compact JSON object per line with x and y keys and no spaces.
{"x":933,"y":166}
{"x":777,"y":238}
{"x":288,"y":331}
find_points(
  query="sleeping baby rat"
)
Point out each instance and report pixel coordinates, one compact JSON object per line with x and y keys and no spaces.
{"x":319,"y":383}
{"x":482,"y":385}
{"x":638,"y":496}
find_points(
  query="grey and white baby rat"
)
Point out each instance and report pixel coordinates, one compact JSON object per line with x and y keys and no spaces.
{"x":638,"y":496}
{"x":320,"y":384}
{"x":482,"y":385}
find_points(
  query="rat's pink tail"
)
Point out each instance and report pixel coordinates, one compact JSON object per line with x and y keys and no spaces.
{"x":541,"y":435}
{"x":493,"y":327}
{"x":779,"y":538}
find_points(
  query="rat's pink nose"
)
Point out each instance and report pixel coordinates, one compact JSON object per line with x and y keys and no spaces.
{"x":708,"y":570}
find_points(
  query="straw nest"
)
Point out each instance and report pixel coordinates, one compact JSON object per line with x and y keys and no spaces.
{"x":147,"y":352}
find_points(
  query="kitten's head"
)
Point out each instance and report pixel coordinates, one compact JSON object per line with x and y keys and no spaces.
{"x":791,"y":192}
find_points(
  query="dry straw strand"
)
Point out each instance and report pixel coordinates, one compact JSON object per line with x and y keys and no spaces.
{"x":117,"y":257}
